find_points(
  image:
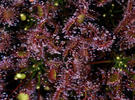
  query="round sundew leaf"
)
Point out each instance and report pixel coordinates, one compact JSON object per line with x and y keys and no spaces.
{"x":52,"y":75}
{"x":21,"y":53}
{"x":80,"y":18}
{"x":132,"y":85}
{"x":40,"y":11}
{"x":117,"y":87}
{"x":114,"y":77}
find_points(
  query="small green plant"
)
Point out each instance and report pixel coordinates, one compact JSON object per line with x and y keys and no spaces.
{"x":121,"y":62}
{"x":34,"y":70}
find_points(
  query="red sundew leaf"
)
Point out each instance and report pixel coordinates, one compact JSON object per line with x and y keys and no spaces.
{"x":18,"y":3}
{"x":114,"y":78}
{"x":38,"y":10}
{"x":69,"y":24}
{"x":102,"y":2}
{"x":5,"y":64}
{"x":22,"y":54}
{"x":4,"y":41}
{"x":121,"y":25}
{"x":57,"y":94}
{"x":131,"y":85}
{"x":8,"y":15}
{"x":67,"y":78}
{"x":70,"y":46}
{"x":93,"y":28}
{"x":129,"y":6}
{"x":52,"y":75}
{"x":29,"y":89}
{"x":129,"y":13}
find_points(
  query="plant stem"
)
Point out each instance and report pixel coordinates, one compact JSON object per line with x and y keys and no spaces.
{"x":100,"y":62}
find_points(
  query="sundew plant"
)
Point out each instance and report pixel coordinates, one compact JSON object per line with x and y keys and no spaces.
{"x":67,"y":49}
